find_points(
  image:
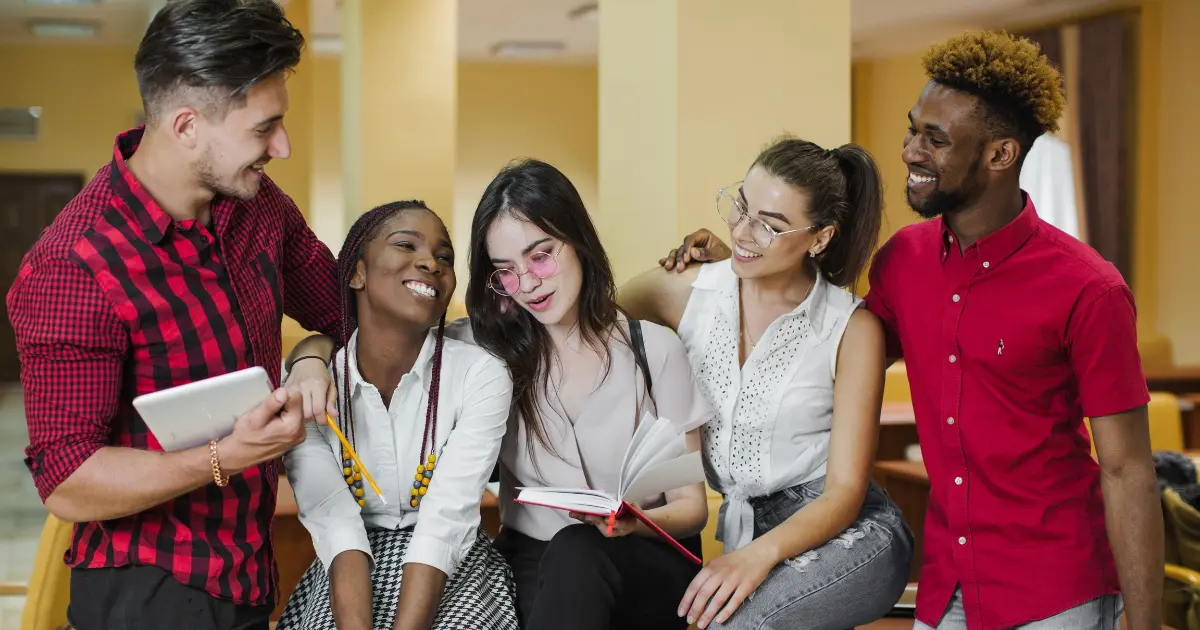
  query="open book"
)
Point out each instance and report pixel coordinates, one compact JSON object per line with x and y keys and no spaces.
{"x":654,"y":463}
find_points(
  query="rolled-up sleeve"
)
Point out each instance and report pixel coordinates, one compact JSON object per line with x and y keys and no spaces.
{"x":310,"y":291}
{"x":72,"y":346}
{"x":326,"y":508}
{"x":449,"y":515}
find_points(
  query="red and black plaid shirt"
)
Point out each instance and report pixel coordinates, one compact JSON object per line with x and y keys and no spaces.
{"x":116,"y":300}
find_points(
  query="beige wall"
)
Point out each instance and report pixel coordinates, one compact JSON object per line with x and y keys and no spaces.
{"x":509,"y":111}
{"x":88,"y":95}
{"x":550,"y":112}
{"x":689,"y":96}
{"x":292,"y":175}
{"x":325,"y":182}
{"x":505,"y":111}
{"x":1165,"y":207}
{"x":1178,"y":204}
{"x":884,"y":91}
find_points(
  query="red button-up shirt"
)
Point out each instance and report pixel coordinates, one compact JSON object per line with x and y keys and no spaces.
{"x":1008,"y":346}
{"x":117,"y":300}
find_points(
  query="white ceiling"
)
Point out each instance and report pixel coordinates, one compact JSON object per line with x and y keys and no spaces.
{"x":879,"y":27}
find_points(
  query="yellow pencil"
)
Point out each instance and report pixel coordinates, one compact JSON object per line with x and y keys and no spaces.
{"x":350,"y":449}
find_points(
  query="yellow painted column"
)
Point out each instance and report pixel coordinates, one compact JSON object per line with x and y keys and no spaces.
{"x":399,"y":103}
{"x":1155,"y":347}
{"x":690,"y":91}
{"x":293,"y":174}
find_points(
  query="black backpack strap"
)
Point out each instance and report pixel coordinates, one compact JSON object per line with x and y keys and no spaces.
{"x":639,"y":352}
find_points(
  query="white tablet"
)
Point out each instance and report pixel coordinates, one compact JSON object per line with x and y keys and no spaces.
{"x":190,"y":415}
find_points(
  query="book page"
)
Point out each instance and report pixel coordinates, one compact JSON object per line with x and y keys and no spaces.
{"x":661,"y":442}
{"x":578,"y":501}
{"x":666,"y":475}
{"x":588,"y":491}
{"x":647,"y":425}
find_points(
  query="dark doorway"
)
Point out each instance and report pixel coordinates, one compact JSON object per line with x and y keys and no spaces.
{"x":28,"y":204}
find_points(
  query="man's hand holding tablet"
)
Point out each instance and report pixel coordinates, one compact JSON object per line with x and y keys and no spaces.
{"x":263,"y":433}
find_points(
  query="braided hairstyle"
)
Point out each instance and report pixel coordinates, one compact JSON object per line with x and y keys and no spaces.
{"x":365,"y":230}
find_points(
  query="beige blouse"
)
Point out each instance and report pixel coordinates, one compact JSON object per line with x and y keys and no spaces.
{"x":590,"y":450}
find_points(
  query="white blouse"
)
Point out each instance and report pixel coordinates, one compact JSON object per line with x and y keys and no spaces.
{"x":590,"y":447}
{"x":475,"y":393}
{"x":774,"y":413}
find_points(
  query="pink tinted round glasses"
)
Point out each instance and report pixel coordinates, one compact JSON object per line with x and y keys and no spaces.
{"x":507,"y":282}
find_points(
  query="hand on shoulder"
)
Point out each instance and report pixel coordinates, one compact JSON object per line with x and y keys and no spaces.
{"x":698,"y":247}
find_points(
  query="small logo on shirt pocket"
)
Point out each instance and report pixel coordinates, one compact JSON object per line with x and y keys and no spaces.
{"x":1000,"y":348}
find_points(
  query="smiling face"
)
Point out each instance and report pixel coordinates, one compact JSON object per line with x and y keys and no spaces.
{"x":944,"y":150}
{"x":784,"y":208}
{"x":406,"y":274}
{"x":233,"y":152}
{"x":553,"y":300}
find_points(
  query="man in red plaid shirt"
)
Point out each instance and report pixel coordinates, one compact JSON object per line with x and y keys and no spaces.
{"x":176,"y":263}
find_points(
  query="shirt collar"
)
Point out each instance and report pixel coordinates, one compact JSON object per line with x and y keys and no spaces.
{"x":725,"y":281}
{"x":153,"y":221}
{"x":422,"y":368}
{"x":151,"y":218}
{"x":999,"y":245}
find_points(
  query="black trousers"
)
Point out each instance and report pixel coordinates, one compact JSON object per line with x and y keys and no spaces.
{"x":147,"y":597}
{"x":585,"y":581}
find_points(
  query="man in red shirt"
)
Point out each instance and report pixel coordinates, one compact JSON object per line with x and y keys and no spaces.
{"x":176,"y":263}
{"x":1012,"y":333}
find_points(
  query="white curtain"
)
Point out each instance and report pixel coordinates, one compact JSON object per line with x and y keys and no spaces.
{"x":1049,"y":178}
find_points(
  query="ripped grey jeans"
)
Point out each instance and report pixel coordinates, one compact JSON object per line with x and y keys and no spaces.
{"x":853,"y":579}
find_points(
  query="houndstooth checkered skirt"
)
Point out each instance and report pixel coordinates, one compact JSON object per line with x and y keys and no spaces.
{"x":480,"y":596}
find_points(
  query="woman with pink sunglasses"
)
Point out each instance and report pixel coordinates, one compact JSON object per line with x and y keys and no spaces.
{"x":542,"y":298}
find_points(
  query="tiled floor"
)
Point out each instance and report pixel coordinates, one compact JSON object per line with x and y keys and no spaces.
{"x":21,"y":513}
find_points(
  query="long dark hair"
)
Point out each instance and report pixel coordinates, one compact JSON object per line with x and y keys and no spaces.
{"x":539,"y":193}
{"x":364,"y":230}
{"x":845,"y":191}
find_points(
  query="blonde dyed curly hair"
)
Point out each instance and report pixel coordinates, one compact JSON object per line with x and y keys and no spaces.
{"x":1009,"y":74}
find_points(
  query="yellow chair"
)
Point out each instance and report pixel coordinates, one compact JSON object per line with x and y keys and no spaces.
{"x":49,"y":588}
{"x":1166,"y":423}
{"x":895,"y":384}
{"x":1181,"y":589}
{"x":1181,"y":538}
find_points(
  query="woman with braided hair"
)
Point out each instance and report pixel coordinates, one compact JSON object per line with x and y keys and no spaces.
{"x":426,"y":416}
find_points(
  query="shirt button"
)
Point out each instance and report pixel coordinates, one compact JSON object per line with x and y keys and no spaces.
{"x":958,"y":481}
{"x":955,"y":298}
{"x":986,"y":264}
{"x":953,"y":358}
{"x":950,"y":420}
{"x":962,"y":540}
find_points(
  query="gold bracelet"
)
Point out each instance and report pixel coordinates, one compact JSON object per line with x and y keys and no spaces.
{"x":220,"y":479}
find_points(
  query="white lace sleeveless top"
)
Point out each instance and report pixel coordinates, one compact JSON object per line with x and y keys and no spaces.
{"x":774,"y":413}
